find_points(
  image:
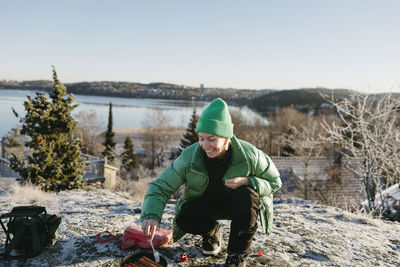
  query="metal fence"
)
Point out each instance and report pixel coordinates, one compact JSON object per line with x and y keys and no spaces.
{"x":94,"y":168}
{"x":5,"y":170}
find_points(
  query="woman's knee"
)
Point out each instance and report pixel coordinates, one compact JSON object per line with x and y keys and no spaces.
{"x":246,"y":195}
{"x":194,"y":219}
{"x":187,"y":215}
{"x":245,"y":204}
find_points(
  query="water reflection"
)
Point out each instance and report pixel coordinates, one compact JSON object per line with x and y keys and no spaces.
{"x":127,"y":112}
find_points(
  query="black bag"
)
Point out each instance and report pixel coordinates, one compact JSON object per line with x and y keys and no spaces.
{"x":32,"y":229}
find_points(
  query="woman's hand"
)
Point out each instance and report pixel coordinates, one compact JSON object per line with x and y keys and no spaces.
{"x":237,"y":182}
{"x":149,"y":228}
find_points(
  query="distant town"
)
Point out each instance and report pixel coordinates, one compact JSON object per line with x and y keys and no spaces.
{"x":140,"y":90}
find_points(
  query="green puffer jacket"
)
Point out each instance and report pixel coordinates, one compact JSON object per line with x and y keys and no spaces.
{"x":189,"y":169}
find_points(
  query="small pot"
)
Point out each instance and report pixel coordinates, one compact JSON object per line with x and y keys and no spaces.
{"x":134,"y":257}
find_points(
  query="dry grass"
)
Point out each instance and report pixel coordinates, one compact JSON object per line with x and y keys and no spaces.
{"x":26,"y":195}
{"x":133,"y":189}
{"x":32,"y":194}
{"x":136,"y":189}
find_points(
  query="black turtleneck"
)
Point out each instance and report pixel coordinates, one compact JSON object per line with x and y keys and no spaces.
{"x":216,"y":168}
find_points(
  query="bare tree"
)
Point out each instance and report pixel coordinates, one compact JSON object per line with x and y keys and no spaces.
{"x":251,"y":128}
{"x":280,"y":123}
{"x":369,"y":131}
{"x":259,"y":134}
{"x":156,"y":135}
{"x":89,"y":131}
{"x":306,"y":143}
{"x":240,"y":124}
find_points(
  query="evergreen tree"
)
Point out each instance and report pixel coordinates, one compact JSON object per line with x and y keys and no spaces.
{"x":109,"y":143}
{"x":190,"y":137}
{"x":128,"y":157}
{"x":55,"y":163}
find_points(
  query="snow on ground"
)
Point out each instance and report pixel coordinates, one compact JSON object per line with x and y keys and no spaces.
{"x":304,"y":234}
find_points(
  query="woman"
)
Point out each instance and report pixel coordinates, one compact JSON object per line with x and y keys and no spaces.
{"x":225,"y":178}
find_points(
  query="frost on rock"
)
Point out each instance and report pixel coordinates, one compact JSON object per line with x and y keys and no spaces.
{"x":304,"y":234}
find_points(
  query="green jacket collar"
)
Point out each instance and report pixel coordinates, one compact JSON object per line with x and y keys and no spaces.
{"x":239,"y":165}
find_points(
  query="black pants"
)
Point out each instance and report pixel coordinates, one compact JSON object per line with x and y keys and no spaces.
{"x":240,"y":205}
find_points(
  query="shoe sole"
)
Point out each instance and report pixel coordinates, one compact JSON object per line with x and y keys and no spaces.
{"x":215,"y":252}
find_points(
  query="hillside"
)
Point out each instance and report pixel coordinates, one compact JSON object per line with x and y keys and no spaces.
{"x":253,"y":98}
{"x":263,"y":101}
{"x":301,"y":99}
{"x":304,"y":234}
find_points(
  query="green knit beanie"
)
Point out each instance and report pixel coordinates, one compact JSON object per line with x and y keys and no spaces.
{"x":215,"y":119}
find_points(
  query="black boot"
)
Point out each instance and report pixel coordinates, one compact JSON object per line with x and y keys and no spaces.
{"x":212,"y":241}
{"x":235,"y":260}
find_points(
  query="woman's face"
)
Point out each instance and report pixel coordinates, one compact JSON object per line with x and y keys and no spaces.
{"x":214,"y":146}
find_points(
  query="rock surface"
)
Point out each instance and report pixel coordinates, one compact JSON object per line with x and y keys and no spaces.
{"x":304,"y":234}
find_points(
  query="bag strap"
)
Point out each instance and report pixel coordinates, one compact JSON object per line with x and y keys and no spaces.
{"x":5,"y":230}
{"x":14,"y":242}
{"x":109,"y":239}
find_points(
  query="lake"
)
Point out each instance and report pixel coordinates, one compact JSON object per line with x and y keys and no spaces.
{"x":127,"y":112}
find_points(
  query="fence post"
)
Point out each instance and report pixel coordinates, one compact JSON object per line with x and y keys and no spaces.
{"x":110,"y":173}
{"x":3,"y":147}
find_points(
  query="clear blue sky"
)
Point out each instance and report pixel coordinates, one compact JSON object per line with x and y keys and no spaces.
{"x":241,"y":44}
